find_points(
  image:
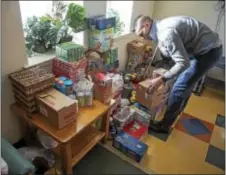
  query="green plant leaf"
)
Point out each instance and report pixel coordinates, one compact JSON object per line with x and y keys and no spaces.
{"x":75,"y":16}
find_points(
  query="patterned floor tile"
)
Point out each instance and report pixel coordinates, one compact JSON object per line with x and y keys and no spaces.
{"x":195,"y":127}
{"x":220,"y":121}
{"x":205,"y":107}
{"x":216,"y":157}
{"x":179,"y":155}
{"x":218,"y":137}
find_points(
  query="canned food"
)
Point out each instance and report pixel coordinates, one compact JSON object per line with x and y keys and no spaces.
{"x":88,"y":99}
{"x":76,"y":101}
{"x":81,"y":99}
{"x":69,"y":87}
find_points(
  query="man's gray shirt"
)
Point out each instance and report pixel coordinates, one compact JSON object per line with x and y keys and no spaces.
{"x":180,"y":37}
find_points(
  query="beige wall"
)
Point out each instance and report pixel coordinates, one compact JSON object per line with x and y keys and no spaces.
{"x":13,"y":58}
{"x":204,"y":11}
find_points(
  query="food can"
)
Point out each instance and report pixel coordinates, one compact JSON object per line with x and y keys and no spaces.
{"x":69,"y":87}
{"x":81,"y":99}
{"x":88,"y":99}
{"x":76,"y":101}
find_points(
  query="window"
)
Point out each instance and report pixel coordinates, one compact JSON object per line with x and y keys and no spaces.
{"x":123,"y":11}
{"x":38,"y":8}
{"x":41,"y":8}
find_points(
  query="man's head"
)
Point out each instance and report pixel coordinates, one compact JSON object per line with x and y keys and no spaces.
{"x":142,"y":25}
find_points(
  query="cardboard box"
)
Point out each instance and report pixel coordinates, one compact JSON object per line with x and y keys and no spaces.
{"x":102,"y":88}
{"x":101,"y":40}
{"x":131,"y":146}
{"x":160,"y":72}
{"x":139,"y":52}
{"x":59,"y":109}
{"x":70,"y":51}
{"x":151,"y":100}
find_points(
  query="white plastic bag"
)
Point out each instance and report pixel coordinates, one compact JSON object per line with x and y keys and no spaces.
{"x":117,"y":82}
{"x":30,"y":153}
{"x":4,"y":167}
{"x":46,"y":141}
{"x":124,"y":102}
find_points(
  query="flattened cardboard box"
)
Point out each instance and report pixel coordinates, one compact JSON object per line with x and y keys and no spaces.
{"x":59,"y":109}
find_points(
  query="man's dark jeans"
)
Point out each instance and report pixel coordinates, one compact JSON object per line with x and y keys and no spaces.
{"x":182,"y":89}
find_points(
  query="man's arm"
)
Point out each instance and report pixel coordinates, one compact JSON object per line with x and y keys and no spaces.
{"x":171,"y":42}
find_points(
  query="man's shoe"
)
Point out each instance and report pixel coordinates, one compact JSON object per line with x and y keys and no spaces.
{"x":159,"y":127}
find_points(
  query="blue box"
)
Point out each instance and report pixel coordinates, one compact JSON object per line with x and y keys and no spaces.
{"x":101,"y":22}
{"x":131,"y":146}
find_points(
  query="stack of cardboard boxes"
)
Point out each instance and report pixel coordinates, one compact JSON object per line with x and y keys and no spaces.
{"x":101,"y":33}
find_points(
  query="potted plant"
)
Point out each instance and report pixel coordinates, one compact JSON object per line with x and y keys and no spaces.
{"x":42,"y":34}
{"x":60,"y":29}
{"x":35,"y":31}
{"x":75,"y":17}
{"x":120,"y":26}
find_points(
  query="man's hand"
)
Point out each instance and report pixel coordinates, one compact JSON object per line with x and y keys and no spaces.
{"x":155,"y":83}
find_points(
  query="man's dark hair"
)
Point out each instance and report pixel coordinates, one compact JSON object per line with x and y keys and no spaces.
{"x":138,"y":17}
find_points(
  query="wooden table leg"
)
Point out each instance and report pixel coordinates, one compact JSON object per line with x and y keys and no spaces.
{"x":105,"y":125}
{"x":66,"y":156}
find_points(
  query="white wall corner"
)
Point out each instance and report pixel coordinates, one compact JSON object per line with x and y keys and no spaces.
{"x":13,"y":58}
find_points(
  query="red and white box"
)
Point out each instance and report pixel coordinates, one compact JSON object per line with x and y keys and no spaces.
{"x":136,"y":129}
{"x":72,"y":70}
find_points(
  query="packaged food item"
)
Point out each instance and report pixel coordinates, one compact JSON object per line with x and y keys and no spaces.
{"x":117,"y":82}
{"x":64,"y":85}
{"x":101,"y":40}
{"x":103,"y":88}
{"x":139,"y":52}
{"x":101,"y":22}
{"x":88,"y":99}
{"x":70,"y":51}
{"x":123,"y":117}
{"x":142,"y":115}
{"x":136,"y":129}
{"x":58,"y":109}
{"x":81,"y":99}
{"x":69,"y":87}
{"x":72,"y":70}
{"x":130,"y":146}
